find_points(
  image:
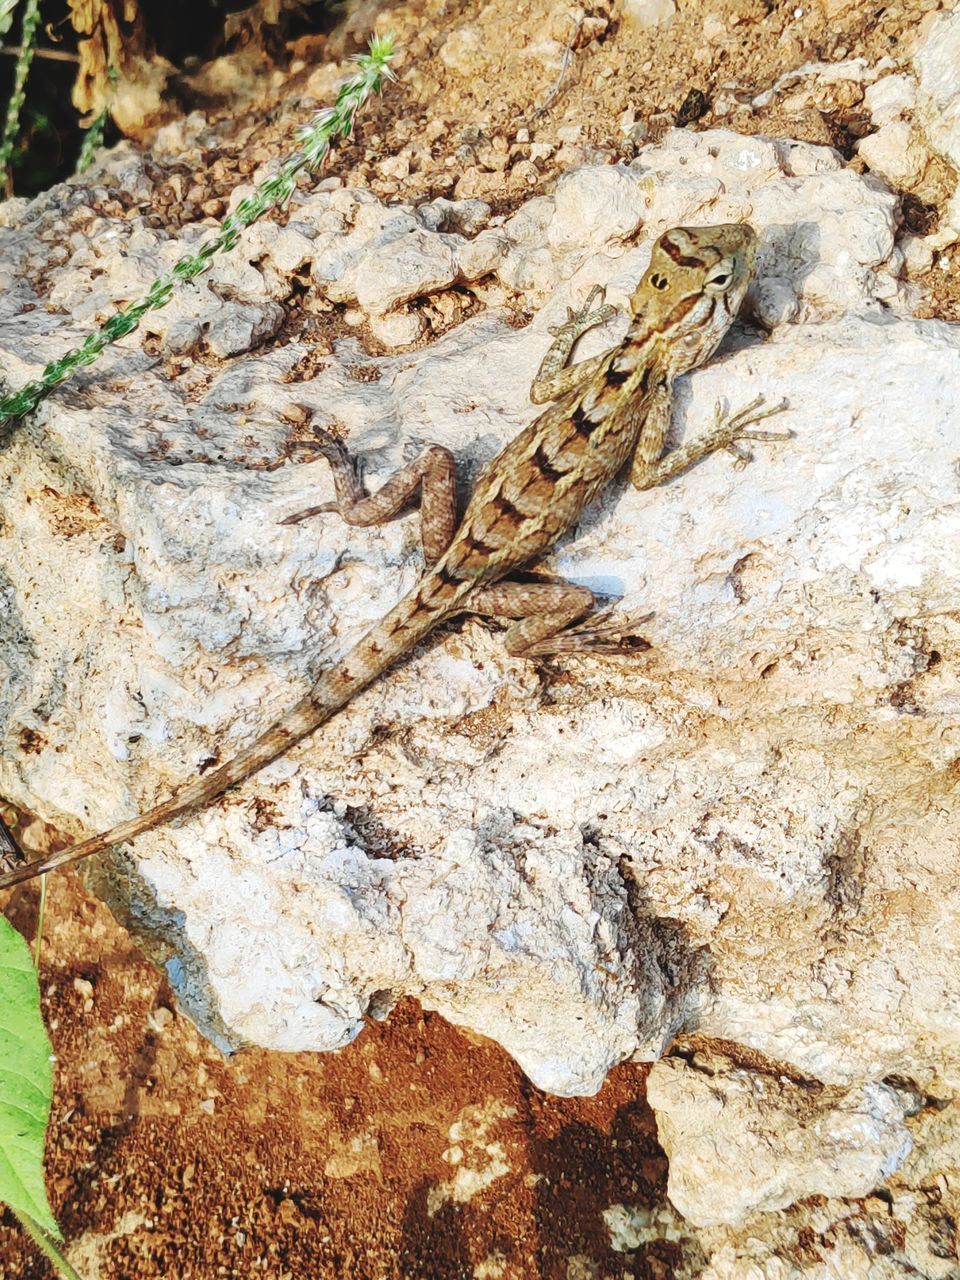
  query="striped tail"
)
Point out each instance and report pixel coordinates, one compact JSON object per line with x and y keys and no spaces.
{"x":415,"y":616}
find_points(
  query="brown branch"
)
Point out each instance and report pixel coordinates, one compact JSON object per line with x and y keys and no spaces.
{"x":55,"y":55}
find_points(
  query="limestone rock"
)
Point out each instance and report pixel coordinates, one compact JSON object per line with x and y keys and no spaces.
{"x":895,"y":152}
{"x":650,"y":13}
{"x":740,"y":1142}
{"x":749,"y":830}
{"x":936,"y":60}
{"x":908,"y":1230}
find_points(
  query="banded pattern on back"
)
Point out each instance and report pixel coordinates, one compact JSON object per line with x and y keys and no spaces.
{"x":539,"y":485}
{"x":523,"y":502}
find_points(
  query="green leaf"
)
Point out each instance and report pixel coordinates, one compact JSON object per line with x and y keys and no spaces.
{"x":26,"y":1083}
{"x":7,"y":8}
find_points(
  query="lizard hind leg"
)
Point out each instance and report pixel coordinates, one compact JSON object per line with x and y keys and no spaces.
{"x":433,"y":472}
{"x":547,"y":616}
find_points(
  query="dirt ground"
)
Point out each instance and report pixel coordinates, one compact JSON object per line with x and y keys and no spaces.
{"x":164,"y":1159}
{"x":419,"y":1150}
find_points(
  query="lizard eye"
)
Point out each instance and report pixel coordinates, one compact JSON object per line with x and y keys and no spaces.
{"x":720,"y":279}
{"x":659,"y":281}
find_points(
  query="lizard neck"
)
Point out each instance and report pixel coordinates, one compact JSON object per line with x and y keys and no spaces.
{"x":642,"y":358}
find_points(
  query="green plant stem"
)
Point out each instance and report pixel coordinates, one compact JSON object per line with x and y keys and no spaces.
{"x":47,"y":1245}
{"x":92,"y":142}
{"x":41,"y":906}
{"x":93,"y":138}
{"x":28,"y":42}
{"x":315,"y":141}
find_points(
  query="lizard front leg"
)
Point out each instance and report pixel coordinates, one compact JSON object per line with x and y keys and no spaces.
{"x":546,"y":612}
{"x":650,"y":469}
{"x":433,"y":472}
{"x":553,"y":377}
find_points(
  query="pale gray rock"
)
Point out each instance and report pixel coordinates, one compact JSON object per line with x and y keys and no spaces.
{"x":741,"y":1142}
{"x":650,"y":13}
{"x":896,"y":152}
{"x":748,"y":831}
{"x":891,"y":98}
{"x":907,"y":1231}
{"x":917,"y":118}
{"x":936,"y":60}
{"x":594,"y":207}
{"x":242,"y":328}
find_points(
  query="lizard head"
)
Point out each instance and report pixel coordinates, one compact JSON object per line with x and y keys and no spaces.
{"x":692,"y":290}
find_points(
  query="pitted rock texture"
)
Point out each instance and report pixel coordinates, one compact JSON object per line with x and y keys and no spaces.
{"x":906,"y":1231}
{"x":779,"y":1140}
{"x":748,"y":831}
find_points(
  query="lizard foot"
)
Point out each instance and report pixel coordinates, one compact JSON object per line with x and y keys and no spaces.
{"x":729,"y":429}
{"x":586,"y":317}
{"x":603,"y":632}
{"x":337,"y":454}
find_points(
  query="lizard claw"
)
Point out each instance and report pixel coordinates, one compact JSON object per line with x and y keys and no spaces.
{"x":730,"y":430}
{"x":603,"y":632}
{"x":588,"y":316}
{"x":297,"y":516}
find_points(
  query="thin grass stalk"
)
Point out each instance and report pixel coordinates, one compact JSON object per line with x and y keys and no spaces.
{"x":314,"y":139}
{"x":41,"y":911}
{"x":93,"y":138}
{"x":48,"y":1246}
{"x":28,"y":43}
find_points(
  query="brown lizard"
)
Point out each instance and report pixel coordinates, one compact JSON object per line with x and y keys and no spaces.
{"x":607,"y":411}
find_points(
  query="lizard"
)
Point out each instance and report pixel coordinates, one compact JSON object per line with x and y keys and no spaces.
{"x":606,"y":411}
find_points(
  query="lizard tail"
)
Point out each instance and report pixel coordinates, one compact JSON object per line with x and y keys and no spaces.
{"x":435,"y":599}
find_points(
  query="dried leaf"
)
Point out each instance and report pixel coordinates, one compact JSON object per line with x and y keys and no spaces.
{"x":117,"y":38}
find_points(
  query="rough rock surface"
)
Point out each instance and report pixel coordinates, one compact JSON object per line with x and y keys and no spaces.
{"x":905,"y":1232}
{"x":936,"y":60}
{"x":779,"y":1140}
{"x":711,"y":836}
{"x":916,"y":122}
{"x":748,"y":832}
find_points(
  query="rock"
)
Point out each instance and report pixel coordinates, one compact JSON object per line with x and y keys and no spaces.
{"x":465,"y":217}
{"x":749,"y":830}
{"x":241,"y":328}
{"x":649,"y":13}
{"x":821,"y":75}
{"x":740,"y":1142}
{"x":714,"y":29}
{"x":463,"y":51}
{"x":895,"y":152}
{"x":594,"y":206}
{"x":936,"y":60}
{"x":890,"y":98}
{"x":392,"y":271}
{"x":397,"y":328}
{"x":907,"y":1230}
{"x":917,"y":254}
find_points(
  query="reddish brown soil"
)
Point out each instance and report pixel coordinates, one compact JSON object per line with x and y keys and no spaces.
{"x":164,"y":1159}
